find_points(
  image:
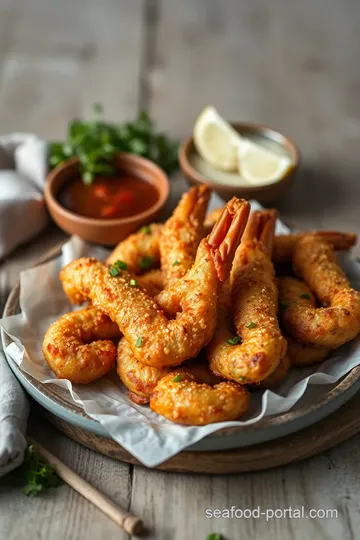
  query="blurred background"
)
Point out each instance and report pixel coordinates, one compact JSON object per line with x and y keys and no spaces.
{"x":292,"y":65}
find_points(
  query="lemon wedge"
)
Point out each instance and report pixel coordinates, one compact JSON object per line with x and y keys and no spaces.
{"x":260,"y":166}
{"x":216,"y":141}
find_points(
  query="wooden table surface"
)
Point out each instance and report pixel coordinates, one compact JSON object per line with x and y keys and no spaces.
{"x":293,"y":65}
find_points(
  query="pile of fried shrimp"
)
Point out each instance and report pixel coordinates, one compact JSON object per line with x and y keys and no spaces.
{"x":198,"y":312}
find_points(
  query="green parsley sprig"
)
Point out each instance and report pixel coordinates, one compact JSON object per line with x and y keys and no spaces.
{"x":36,"y":474}
{"x":96,"y":142}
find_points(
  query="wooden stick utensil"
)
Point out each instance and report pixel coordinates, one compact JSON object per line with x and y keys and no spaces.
{"x":130,"y":523}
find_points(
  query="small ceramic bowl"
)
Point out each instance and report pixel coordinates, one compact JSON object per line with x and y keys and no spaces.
{"x":264,"y":194}
{"x":105,"y":231}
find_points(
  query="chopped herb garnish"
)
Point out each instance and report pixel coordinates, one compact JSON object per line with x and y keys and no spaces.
{"x":234,"y":341}
{"x":283,"y":305}
{"x":305,"y":295}
{"x":242,"y":378}
{"x":146,"y":229}
{"x":177,"y":378}
{"x":138,"y":342}
{"x":113,"y":271}
{"x":146,"y":263}
{"x":251,"y":325}
{"x":120,"y":265}
{"x":35,"y":473}
{"x":176,"y":263}
{"x":96,"y":142}
{"x":215,"y":536}
{"x":115,"y":268}
{"x":133,"y":283}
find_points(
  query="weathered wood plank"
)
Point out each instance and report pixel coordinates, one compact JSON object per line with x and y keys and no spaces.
{"x":176,"y":508}
{"x":62,"y":512}
{"x":63,"y":57}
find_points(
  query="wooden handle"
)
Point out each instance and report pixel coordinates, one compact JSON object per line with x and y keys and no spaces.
{"x":130,"y":523}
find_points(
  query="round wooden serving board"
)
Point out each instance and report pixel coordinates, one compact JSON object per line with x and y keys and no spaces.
{"x":323,"y":435}
{"x":305,"y":430}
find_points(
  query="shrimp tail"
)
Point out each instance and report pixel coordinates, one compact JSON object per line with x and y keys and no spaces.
{"x":226,"y":235}
{"x":182,"y":234}
{"x":285,"y":244}
{"x":261,"y":227}
{"x":193,"y":204}
{"x":340,"y":241}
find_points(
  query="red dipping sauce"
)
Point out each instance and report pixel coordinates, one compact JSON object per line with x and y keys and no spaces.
{"x":109,"y":197}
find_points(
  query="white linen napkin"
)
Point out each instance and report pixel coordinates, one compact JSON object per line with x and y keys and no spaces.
{"x":23,"y":167}
{"x":14,"y":410}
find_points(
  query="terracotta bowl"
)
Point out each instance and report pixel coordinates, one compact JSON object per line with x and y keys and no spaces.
{"x":264,"y":194}
{"x":105,"y":231}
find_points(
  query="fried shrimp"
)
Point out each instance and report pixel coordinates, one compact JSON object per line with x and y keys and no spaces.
{"x":284,"y":245}
{"x":185,"y":228}
{"x":278,"y":375}
{"x":140,"y":380}
{"x":78,"y":346}
{"x":193,"y":396}
{"x":212,"y":218}
{"x":292,"y":291}
{"x":140,"y":250}
{"x":182,"y":233}
{"x":339,"y":320}
{"x":255,"y":352}
{"x":179,"y":241}
{"x":156,"y":340}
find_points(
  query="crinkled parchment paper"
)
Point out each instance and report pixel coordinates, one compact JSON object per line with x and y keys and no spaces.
{"x":149,"y":437}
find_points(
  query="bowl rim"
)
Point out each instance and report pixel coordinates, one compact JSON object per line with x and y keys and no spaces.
{"x":186,"y":167}
{"x":130,"y":159}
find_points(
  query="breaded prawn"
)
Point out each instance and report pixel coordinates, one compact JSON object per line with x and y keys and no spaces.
{"x":255,"y":352}
{"x":155,"y":339}
{"x":192,"y":395}
{"x":338,"y":321}
{"x":182,"y":233}
{"x":79,"y":345}
{"x":139,"y":379}
{"x":179,"y":241}
{"x":139,"y":250}
{"x":292,"y":292}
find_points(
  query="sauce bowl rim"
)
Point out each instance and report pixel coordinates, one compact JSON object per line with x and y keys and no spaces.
{"x":188,"y":145}
{"x":130,"y":161}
